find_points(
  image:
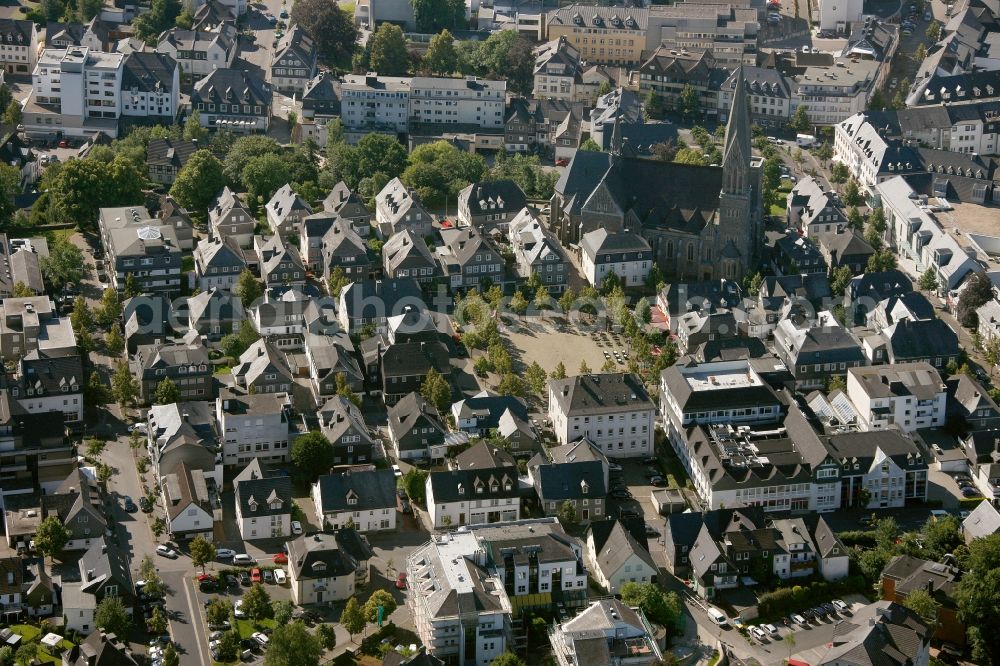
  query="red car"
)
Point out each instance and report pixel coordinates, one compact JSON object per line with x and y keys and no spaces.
{"x":562,"y":162}
{"x":401,"y":581}
{"x":281,"y":558}
{"x":255,"y":575}
{"x":203,"y":577}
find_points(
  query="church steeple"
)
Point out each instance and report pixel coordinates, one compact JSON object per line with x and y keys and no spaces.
{"x":736,"y":156}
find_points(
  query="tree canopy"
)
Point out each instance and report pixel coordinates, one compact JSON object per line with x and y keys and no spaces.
{"x":387,"y":51}
{"x":439,"y":171}
{"x":112,"y":617}
{"x":331,"y":28}
{"x":312,"y":454}
{"x":978,"y":290}
{"x":433,"y":15}
{"x":199,"y":182}
{"x":292,"y":644}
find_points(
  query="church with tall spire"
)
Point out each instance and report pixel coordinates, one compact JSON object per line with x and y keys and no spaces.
{"x":703,"y":222}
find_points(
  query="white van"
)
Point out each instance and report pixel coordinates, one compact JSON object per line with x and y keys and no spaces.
{"x":804,"y":140}
{"x":718,"y":617}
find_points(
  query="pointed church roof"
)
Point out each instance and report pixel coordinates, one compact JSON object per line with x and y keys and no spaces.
{"x":736,"y":156}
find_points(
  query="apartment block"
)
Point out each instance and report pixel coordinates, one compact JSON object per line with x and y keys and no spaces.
{"x":613,"y":410}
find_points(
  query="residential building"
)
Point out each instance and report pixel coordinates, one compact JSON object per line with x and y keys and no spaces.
{"x":33,"y":323}
{"x":442,"y":101}
{"x":285,"y":212}
{"x":327,"y":567}
{"x":371,"y":13}
{"x":214,"y":314}
{"x":772,"y":95}
{"x":613,"y":410}
{"x":329,"y":358}
{"x":280,"y":263}
{"x":406,"y":255}
{"x":230,"y":218}
{"x":99,"y":648}
{"x":76,"y":91}
{"x":618,"y":553}
{"x":20,"y":48}
{"x":349,"y":205}
{"x":962,"y":128}
{"x":537,"y":251}
{"x":557,"y":70}
{"x":375,"y":103}
{"x":625,"y":30}
{"x":374,"y":301}
{"x":342,"y":248}
{"x":184,"y":432}
{"x":63,"y":35}
{"x":200,"y":53}
{"x":145,"y":248}
{"x":150,"y":89}
{"x":795,"y":254}
{"x":233,"y":100}
{"x":907,"y":341}
{"x":364,"y":499}
{"x":813,"y":350}
{"x":35,"y":451}
{"x":844,"y":247}
{"x":293,"y":62}
{"x":490,"y":205}
{"x":416,"y":431}
{"x":862,"y":142}
{"x":218,"y":263}
{"x":263,"y":503}
{"x":78,"y":504}
{"x":813,"y":210}
{"x":186,"y":365}
{"x":50,"y":383}
{"x":905,"y":574}
{"x":481,"y":413}
{"x":397,"y":208}
{"x":264,"y":368}
{"x":473,"y":631}
{"x":469,"y":257}
{"x":607,"y":632}
{"x":909,"y":396}
{"x":166,"y":157}
{"x":667,"y":72}
{"x":342,"y":422}
{"x":190,"y":511}
{"x":580,"y":483}
{"x":254,"y":426}
{"x":913,"y":306}
{"x":104,"y":574}
{"x":982,"y":522}
{"x":884,"y":631}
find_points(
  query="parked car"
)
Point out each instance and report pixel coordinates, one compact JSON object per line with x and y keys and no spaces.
{"x":841,"y":606}
{"x":799,"y":620}
{"x":138,"y":427}
{"x":829,"y":608}
{"x":657,"y":481}
{"x":244,"y":579}
{"x":166,"y":552}
{"x":756,"y":632}
{"x":296,"y":527}
{"x":129,"y":504}
{"x":562,"y":161}
{"x":651,"y":531}
{"x":255,"y":575}
{"x":268,"y":576}
{"x":224,"y":554}
{"x":398,"y":473}
{"x":614,"y":467}
{"x":210,"y":584}
{"x":220,"y":626}
{"x":279,"y":576}
{"x":238,"y":609}
{"x":970,"y":492}
{"x":261,"y":638}
{"x":280,"y":558}
{"x":401,"y":581}
{"x":243,"y":559}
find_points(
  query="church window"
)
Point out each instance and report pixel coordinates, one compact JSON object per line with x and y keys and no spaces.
{"x":670,"y":249}
{"x":690,"y":251}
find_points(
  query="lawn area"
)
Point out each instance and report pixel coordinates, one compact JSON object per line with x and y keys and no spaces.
{"x":32,"y":634}
{"x":246,"y":627}
{"x":223,"y":370}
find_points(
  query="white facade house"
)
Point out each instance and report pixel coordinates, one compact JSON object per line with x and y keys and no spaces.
{"x":473,"y":497}
{"x":627,"y":255}
{"x":19,"y":48}
{"x":254,"y":426}
{"x":375,"y":102}
{"x":327,"y":567}
{"x":200,"y":52}
{"x":838,"y":15}
{"x":74,"y":86}
{"x":263,"y":503}
{"x":908,"y":396}
{"x":467,"y":101}
{"x":469,"y":635}
{"x":612,"y":410}
{"x":364,"y":499}
{"x":188,"y":506}
{"x":616,"y":558}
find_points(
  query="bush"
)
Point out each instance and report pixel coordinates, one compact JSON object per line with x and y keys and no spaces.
{"x":863,"y":538}
{"x":370,"y":644}
{"x":970,"y":503}
{"x":786,"y":600}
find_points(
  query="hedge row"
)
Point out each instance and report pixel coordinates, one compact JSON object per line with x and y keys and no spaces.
{"x":787,"y":600}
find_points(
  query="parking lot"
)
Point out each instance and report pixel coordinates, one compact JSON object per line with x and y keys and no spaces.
{"x":543,"y":341}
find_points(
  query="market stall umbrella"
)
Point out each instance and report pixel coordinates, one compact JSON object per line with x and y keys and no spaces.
{"x":52,"y":640}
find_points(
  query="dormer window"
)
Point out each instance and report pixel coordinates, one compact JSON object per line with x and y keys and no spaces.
{"x":479,"y":489}
{"x":461,"y":489}
{"x":584,"y":488}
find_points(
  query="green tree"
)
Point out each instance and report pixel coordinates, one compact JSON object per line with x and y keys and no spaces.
{"x":22,"y":290}
{"x":512,"y":385}
{"x":167,"y":392}
{"x":507,"y":659}
{"x":839,"y":279}
{"x":344,"y":390}
{"x":229,"y":645}
{"x":605,"y":88}
{"x":353,"y":618}
{"x":839,"y":173}
{"x":257,"y":603}
{"x":518,"y":303}
{"x":327,"y":635}
{"x":114,"y":342}
{"x":535,"y":376}
{"x":689,"y":103}
{"x":567,"y":513}
{"x":95,"y":393}
{"x":855,"y":221}
{"x":63,"y":266}
{"x":245,"y":149}
{"x":978,"y":290}
{"x":559,"y":372}
{"x":170,"y":656}
{"x":590,"y":145}
{"x":337,"y":281}
{"x":933,"y":31}
{"x":112,"y":617}
{"x":567,"y":299}
{"x":152,"y":583}
{"x":248,"y":288}
{"x":929,"y":280}
{"x":26,"y":654}
{"x":508,"y":52}
{"x":660,"y":606}
{"x":51,"y":536}
{"x":921,"y":53}
{"x":690,"y":156}
{"x":292,"y":644}
{"x":825,"y":152}
{"x":331,"y":28}
{"x":124,"y":388}
{"x":81,"y":187}
{"x":376,"y":156}
{"x":12,"y":114}
{"x":978,"y":597}
{"x":265,"y":175}
{"x":435,"y":390}
{"x":193,"y":130}
{"x":852,"y":194}
{"x":202,"y":551}
{"x":800,"y":121}
{"x":379,"y":598}
{"x":218,"y":611}
{"x":283,"y":611}
{"x":109,"y":310}
{"x":312,"y":454}
{"x":157,"y":623}
{"x":162,"y":15}
{"x":923,"y":604}
{"x":132,"y":287}
{"x":881,"y":261}
{"x":87,"y":9}
{"x":199,"y":182}
{"x":441,"y":56}
{"x":439,"y":171}
{"x":387,"y":49}
{"x":414,"y":483}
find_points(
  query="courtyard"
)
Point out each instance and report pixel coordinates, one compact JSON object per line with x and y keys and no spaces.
{"x":552,"y":341}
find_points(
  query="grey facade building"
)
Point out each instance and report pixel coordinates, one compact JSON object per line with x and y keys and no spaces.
{"x":468,"y":257}
{"x":293,"y":62}
{"x":490,"y":205}
{"x":255,"y":426}
{"x":186,"y":365}
{"x":406,"y":255}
